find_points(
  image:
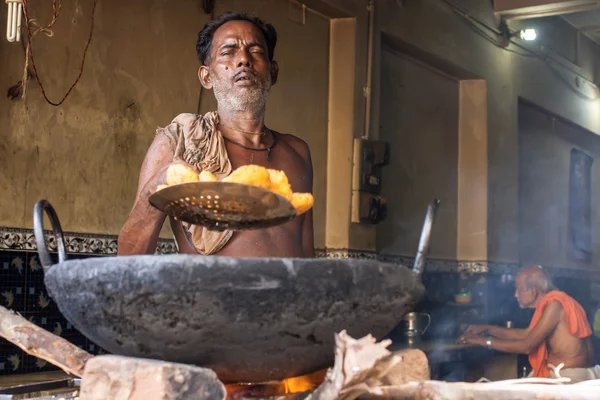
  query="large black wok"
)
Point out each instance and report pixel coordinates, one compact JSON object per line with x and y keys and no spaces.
{"x":248,"y":319}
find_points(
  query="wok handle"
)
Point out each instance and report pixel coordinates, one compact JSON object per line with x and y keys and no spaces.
{"x":425,"y":238}
{"x":40,"y":236}
{"x":428,"y":323}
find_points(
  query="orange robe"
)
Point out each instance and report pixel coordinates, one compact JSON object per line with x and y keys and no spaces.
{"x":576,"y":321}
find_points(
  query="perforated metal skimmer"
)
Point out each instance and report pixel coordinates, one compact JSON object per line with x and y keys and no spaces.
{"x":223,"y":205}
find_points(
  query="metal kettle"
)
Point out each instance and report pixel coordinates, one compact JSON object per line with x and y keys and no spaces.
{"x":414,"y":325}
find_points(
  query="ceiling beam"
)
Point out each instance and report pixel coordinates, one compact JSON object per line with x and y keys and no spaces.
{"x":527,"y":9}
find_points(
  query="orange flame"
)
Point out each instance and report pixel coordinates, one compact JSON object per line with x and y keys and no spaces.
{"x":303,"y":383}
{"x":297,"y":384}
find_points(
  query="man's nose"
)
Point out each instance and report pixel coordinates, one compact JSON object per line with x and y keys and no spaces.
{"x":243,"y":59}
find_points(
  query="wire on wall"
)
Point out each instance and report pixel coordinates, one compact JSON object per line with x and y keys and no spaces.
{"x":480,"y":28}
{"x":31,"y":23}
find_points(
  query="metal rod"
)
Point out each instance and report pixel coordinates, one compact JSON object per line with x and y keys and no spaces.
{"x":368,"y":89}
{"x":42,"y":386}
{"x":424,"y":242}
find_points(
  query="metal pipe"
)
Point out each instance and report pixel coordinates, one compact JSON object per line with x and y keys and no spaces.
{"x":368,"y":87}
{"x":424,"y":242}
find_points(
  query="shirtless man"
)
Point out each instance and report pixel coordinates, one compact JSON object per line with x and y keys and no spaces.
{"x":236,"y":52}
{"x":560,"y":333}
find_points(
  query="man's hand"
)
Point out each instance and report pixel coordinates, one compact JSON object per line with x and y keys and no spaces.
{"x":165,"y":177}
{"x":472,"y":335}
{"x":475,"y":330}
{"x":139,"y":234}
{"x":472,"y":339}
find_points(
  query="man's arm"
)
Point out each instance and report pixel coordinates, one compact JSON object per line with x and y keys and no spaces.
{"x":507,"y":333}
{"x":306,"y":186}
{"x":139,"y":234}
{"x":549,"y":320}
{"x":495,"y":331}
{"x":308,"y":243}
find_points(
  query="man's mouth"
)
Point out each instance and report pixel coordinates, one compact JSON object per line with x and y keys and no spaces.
{"x":244,"y":78}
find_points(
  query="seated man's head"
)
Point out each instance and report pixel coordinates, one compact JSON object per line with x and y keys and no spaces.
{"x":532,"y":283}
{"x":236,"y":52}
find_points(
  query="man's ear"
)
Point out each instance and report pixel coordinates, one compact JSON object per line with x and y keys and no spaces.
{"x":274,"y":72}
{"x":204,"y":77}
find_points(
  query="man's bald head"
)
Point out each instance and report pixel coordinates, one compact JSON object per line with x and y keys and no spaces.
{"x":536,"y":277}
{"x":532,"y":284}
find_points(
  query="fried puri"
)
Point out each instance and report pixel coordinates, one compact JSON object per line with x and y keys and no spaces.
{"x":255,"y":175}
{"x":280,"y":184}
{"x":302,"y":202}
{"x":179,"y":173}
{"x":250,"y":175}
{"x":273,"y":180}
{"x":207,"y":176}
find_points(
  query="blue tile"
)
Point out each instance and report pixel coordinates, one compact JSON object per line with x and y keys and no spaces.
{"x":22,"y":289}
{"x":13,"y":280}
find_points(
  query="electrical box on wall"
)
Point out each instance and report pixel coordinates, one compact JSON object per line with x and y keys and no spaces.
{"x":367,"y":208}
{"x":369,"y":158}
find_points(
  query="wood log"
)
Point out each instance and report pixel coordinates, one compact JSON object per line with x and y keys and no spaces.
{"x":40,"y":343}
{"x":125,"y":378}
{"x":414,"y":367}
{"x":435,"y":390}
{"x":359,"y":365}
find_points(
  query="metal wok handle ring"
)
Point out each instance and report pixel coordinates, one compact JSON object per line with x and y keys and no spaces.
{"x":40,"y":236}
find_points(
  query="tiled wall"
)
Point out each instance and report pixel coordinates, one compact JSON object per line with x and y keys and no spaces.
{"x":22,"y":290}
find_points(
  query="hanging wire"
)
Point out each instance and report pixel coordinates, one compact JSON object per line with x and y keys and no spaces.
{"x":29,"y":24}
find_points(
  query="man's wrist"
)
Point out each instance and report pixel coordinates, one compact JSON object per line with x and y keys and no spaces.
{"x":489,"y":330}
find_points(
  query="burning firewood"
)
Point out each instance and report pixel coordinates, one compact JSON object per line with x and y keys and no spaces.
{"x":362,"y":365}
{"x":40,"y":343}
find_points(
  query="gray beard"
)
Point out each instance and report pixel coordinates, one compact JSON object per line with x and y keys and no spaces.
{"x":234,"y":99}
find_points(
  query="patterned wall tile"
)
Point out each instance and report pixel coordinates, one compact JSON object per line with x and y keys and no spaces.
{"x":11,"y":359}
{"x":13,"y":280}
{"x":76,"y":243}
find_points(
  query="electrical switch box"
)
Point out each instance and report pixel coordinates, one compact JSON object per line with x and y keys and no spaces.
{"x":370,"y":156}
{"x":367,"y":208}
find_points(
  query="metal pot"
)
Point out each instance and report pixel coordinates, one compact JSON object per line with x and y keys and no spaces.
{"x":414,"y":325}
{"x":248,"y":319}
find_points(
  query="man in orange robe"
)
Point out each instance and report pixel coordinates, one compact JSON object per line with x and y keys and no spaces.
{"x":558,"y":340}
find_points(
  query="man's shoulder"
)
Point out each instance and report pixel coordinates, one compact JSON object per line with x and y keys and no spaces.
{"x":186,"y":118}
{"x":558,"y":296}
{"x":295,"y":142}
{"x":560,"y":302}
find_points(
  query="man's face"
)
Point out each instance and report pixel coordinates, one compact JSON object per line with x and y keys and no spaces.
{"x":525,"y":296}
{"x":239,"y":71}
